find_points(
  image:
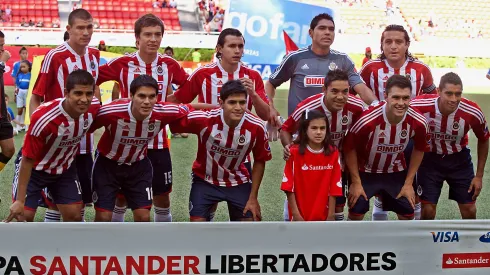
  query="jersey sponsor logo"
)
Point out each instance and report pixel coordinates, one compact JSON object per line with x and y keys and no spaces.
{"x":432,"y":123}
{"x":382,"y":135}
{"x":134,"y":140}
{"x":227,"y":152}
{"x":306,"y":167}
{"x":241,"y":140}
{"x":390,"y":148}
{"x":445,"y":237}
{"x":67,"y":132}
{"x":339,"y":184}
{"x":161,"y":85}
{"x":137,"y":70}
{"x":126,"y":127}
{"x":284,"y":178}
{"x":403,"y":133}
{"x":218,"y":137}
{"x":444,"y":136}
{"x":70,"y":142}
{"x":485,"y":238}
{"x":465,"y":260}
{"x":332,"y":66}
{"x":314,"y":81}
{"x":385,"y":78}
{"x":219,"y":83}
{"x":455,"y":126}
{"x":305,"y":67}
{"x":336,"y":135}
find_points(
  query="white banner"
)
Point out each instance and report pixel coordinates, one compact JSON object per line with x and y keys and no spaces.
{"x":426,"y":247}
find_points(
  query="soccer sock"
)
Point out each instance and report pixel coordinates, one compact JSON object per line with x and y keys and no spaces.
{"x":82,"y":213}
{"x":339,"y":216}
{"x":23,"y":117}
{"x":3,"y":161}
{"x":52,"y":216}
{"x":118,"y":214}
{"x":162,"y":214}
{"x":418,"y":210}
{"x":285,"y":211}
{"x":378,"y":213}
{"x":211,"y":216}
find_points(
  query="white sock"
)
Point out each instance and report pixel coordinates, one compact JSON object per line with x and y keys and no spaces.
{"x":118,"y":214}
{"x":339,"y":216}
{"x":82,"y":213}
{"x":162,"y":214}
{"x":22,"y":117}
{"x":211,"y":216}
{"x":378,"y":213}
{"x":52,"y":216}
{"x":286,"y":211}
{"x":418,"y":210}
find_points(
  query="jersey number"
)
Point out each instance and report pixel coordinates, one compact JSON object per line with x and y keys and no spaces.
{"x":149,"y":191}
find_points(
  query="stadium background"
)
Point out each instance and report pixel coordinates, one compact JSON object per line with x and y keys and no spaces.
{"x":360,"y":20}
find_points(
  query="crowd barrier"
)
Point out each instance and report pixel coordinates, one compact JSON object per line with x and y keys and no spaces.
{"x":393,"y":247}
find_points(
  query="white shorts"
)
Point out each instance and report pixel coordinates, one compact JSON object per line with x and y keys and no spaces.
{"x":21,"y":98}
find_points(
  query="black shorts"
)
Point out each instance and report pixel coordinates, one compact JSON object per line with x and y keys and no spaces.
{"x":388,"y":186}
{"x":63,"y":189}
{"x":456,"y":169}
{"x":133,"y":180}
{"x":340,"y":201}
{"x":6,"y":129}
{"x":162,"y":170}
{"x":204,"y":195}
{"x":84,"y":163}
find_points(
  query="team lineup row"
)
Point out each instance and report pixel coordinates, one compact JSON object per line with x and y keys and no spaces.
{"x":330,"y":123}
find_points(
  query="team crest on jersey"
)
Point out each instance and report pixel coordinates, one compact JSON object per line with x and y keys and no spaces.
{"x":151,"y":127}
{"x":92,"y":65}
{"x":332,"y":66}
{"x":419,"y":190}
{"x":409,"y":77}
{"x":94,"y":197}
{"x":85,"y":124}
{"x":345,"y":120}
{"x":455,"y":126}
{"x":160,"y":70}
{"x":404,"y":133}
{"x":241,"y":140}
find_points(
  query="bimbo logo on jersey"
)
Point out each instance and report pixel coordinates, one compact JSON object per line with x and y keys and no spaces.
{"x":314,"y":81}
{"x":224,"y":151}
{"x":445,"y":237}
{"x":390,"y":148}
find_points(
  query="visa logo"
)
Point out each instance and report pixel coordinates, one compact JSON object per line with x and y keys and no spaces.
{"x":445,"y":237}
{"x":485,"y":238}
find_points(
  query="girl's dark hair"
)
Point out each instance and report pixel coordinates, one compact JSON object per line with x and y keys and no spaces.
{"x":304,"y":123}
{"x":25,"y":62}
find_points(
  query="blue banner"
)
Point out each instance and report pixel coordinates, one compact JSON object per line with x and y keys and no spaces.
{"x":264,"y":69}
{"x":262,"y":23}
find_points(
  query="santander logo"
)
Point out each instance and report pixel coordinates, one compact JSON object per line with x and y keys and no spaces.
{"x":465,"y":260}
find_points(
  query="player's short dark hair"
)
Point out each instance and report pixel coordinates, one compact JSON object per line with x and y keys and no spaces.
{"x":399,"y":81}
{"x":304,"y":123}
{"x":78,"y":14}
{"x":2,"y":35}
{"x":147,"y":20}
{"x":450,"y":78}
{"x":335,"y":75}
{"x":398,"y":28}
{"x":22,"y":49}
{"x":232,"y":87}
{"x":168,"y":48}
{"x":79,"y":77}
{"x":318,"y":18}
{"x":222,"y":36}
{"x":66,"y":36}
{"x":143,"y":81}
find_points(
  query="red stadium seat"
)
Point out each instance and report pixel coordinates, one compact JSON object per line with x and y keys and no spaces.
{"x":177,"y":28}
{"x":55,"y":13}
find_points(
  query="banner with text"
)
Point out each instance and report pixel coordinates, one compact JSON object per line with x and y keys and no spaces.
{"x":14,"y":57}
{"x":262,"y":24}
{"x":425,"y":247}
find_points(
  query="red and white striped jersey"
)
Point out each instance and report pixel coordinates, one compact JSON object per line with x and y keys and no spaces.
{"x":222,"y":150}
{"x":206,"y":83}
{"x":376,"y":72}
{"x":164,"y":69}
{"x":57,"y":64}
{"x":380,"y":145}
{"x":340,"y":122}
{"x":450,"y":133}
{"x":53,"y":138}
{"x":126,"y":139}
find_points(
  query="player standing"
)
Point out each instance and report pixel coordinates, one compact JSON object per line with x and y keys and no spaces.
{"x":450,"y":117}
{"x":49,"y":151}
{"x":165,"y":70}
{"x":377,"y":163}
{"x":396,"y":59}
{"x":6,"y":129}
{"x":342,"y":111}
{"x":312,"y":175}
{"x":226,"y":136}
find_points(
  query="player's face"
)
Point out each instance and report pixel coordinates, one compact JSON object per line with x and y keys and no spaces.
{"x":336,"y":95}
{"x":150,"y":39}
{"x":232,"y":50}
{"x":394,"y":45}
{"x":450,"y":96}
{"x":23,"y":55}
{"x":323,"y":34}
{"x":81,"y":31}
{"x":234,"y":107}
{"x":143,"y":101}
{"x":317,"y":131}
{"x":397,"y":101}
{"x":79,"y":98}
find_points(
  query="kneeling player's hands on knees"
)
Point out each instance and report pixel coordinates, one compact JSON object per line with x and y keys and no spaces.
{"x":356,"y":191}
{"x":476,"y":185}
{"x":254,"y":207}
{"x":16,"y":211}
{"x":407,"y":192}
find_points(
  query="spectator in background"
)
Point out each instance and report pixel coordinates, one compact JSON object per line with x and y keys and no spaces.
{"x":24,"y":54}
{"x":56,"y":23}
{"x":31,"y":23}
{"x":156,"y":4}
{"x":40,"y":24}
{"x":169,"y":51}
{"x":196,"y":56}
{"x":488,"y":74}
{"x":102,"y":46}
{"x":368,"y":56}
{"x":172,"y":4}
{"x":8,"y":11}
{"x":23,"y":23}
